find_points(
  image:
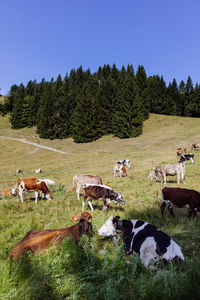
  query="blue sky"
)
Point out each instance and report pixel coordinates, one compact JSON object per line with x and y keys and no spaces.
{"x":44,"y":38}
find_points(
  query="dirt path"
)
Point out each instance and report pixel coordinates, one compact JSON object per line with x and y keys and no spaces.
{"x":34,"y":144}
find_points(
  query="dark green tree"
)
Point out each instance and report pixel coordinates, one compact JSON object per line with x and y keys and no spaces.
{"x":45,"y":111}
{"x":16,"y":114}
{"x":86,"y":120}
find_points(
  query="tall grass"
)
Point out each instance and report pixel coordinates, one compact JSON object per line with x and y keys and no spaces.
{"x":95,"y":268}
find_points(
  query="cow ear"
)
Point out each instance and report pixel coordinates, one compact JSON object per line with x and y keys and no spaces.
{"x":116,"y":219}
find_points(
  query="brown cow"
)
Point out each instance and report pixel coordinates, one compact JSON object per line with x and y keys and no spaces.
{"x":98,"y":191}
{"x":180,"y":151}
{"x":8,"y":193}
{"x":33,"y":184}
{"x":180,"y":197}
{"x":119,"y":168}
{"x":195,"y":146}
{"x":38,"y":241}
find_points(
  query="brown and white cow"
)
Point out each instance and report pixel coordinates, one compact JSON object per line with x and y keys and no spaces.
{"x":195,"y":146}
{"x":84,"y":179}
{"x":38,"y":241}
{"x":169,"y":170}
{"x":8,"y":193}
{"x":119,"y":169}
{"x":38,"y":171}
{"x":33,"y":185}
{"x":19,"y":171}
{"x":180,"y":197}
{"x":98,"y":191}
{"x":180,"y":151}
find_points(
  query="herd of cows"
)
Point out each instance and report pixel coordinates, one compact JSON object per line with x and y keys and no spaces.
{"x":149,"y":242}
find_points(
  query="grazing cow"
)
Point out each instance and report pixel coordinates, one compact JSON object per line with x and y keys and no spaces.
{"x":8,"y":193}
{"x":38,"y":241}
{"x":119,"y":169}
{"x":169,"y":170}
{"x":180,"y":197}
{"x":95,"y":192}
{"x":195,"y":146}
{"x":38,"y":171}
{"x":145,"y":239}
{"x":33,"y":184}
{"x":186,"y":157}
{"x":48,"y":181}
{"x":19,"y":171}
{"x":84,"y":179}
{"x":180,"y":151}
{"x":124,"y":162}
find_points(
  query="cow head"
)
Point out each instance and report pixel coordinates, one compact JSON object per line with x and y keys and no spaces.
{"x":14,"y":193}
{"x":108,"y":228}
{"x":85,"y":215}
{"x":49,"y":195}
{"x":153,"y":175}
{"x":119,"y":198}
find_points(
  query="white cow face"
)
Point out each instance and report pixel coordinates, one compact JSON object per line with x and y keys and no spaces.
{"x":120,"y":199}
{"x":14,"y":192}
{"x":108,"y":228}
{"x":153,"y":176}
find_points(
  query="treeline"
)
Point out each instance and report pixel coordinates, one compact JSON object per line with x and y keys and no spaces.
{"x":86,"y":106}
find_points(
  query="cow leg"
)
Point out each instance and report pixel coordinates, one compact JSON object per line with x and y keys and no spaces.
{"x":105,"y":208}
{"x":162,"y":207}
{"x":178,"y":178}
{"x":20,"y":194}
{"x":170,"y":208}
{"x":78,"y":191}
{"x":90,"y":204}
{"x":36,"y":196}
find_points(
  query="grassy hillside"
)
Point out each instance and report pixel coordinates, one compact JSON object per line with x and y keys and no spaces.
{"x":99,"y":271}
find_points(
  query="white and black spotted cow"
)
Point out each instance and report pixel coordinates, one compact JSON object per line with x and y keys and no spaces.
{"x":124,"y":162}
{"x":140,"y":237}
{"x":186,"y":157}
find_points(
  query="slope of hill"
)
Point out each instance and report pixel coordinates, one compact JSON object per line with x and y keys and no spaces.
{"x":59,"y":274}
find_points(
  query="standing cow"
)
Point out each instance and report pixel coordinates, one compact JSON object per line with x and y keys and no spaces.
{"x":180,"y":197}
{"x":33,"y":185}
{"x":169,"y":170}
{"x":84,"y":179}
{"x":97,"y":191}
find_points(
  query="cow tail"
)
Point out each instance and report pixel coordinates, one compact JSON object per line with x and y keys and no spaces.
{"x":74,"y":178}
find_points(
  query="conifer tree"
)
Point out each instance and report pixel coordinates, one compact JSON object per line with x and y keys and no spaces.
{"x":45,"y":112}
{"x":128,"y":114}
{"x":16,"y":114}
{"x":37,"y":94}
{"x":86,"y":120}
{"x":141,"y":83}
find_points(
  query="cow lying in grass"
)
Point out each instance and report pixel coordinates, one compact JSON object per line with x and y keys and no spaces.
{"x":38,"y":241}
{"x":8,"y":193}
{"x":140,"y":237}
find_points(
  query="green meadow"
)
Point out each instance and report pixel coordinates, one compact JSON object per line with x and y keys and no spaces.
{"x":95,"y":268}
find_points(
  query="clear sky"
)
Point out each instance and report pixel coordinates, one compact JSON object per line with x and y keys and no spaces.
{"x":44,"y":38}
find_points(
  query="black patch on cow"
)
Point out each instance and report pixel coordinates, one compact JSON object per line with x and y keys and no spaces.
{"x":139,"y":223}
{"x":161,"y":238}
